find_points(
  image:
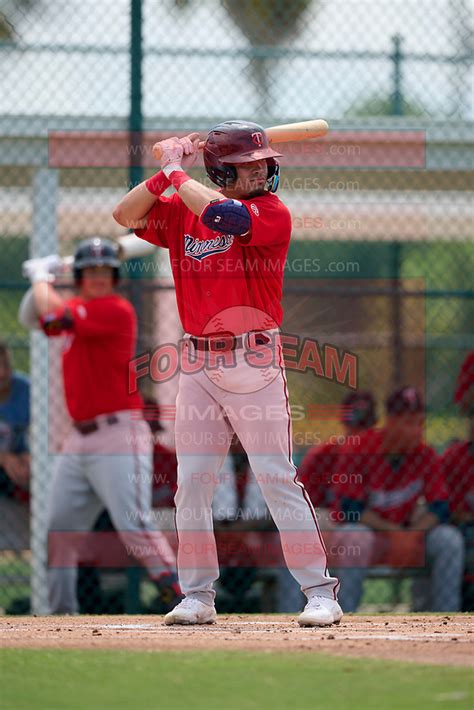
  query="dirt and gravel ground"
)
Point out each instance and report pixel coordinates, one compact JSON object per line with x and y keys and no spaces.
{"x":440,"y":639}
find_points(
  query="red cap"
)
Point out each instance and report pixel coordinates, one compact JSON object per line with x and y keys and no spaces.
{"x":405,"y":399}
{"x":358,"y":409}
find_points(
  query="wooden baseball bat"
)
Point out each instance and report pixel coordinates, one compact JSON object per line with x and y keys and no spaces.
{"x":302,"y":131}
{"x":286,"y":133}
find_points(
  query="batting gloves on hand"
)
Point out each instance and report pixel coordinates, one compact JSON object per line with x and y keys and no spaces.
{"x":190,"y":145}
{"x":171,"y":153}
{"x":42,"y":269}
{"x":179,"y":153}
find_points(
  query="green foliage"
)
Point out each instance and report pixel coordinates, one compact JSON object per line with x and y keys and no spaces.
{"x":12,"y":287}
{"x":7,"y":19}
{"x":377,"y":105}
{"x":440,"y":323}
{"x":268,"y":22}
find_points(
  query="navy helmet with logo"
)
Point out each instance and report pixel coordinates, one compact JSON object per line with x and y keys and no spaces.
{"x":235,"y":142}
{"x":96,"y":252}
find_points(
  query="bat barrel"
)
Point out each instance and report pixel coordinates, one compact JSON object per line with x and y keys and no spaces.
{"x":286,"y":133}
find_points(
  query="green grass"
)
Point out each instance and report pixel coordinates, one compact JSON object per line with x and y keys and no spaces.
{"x":14,"y":580}
{"x":223,"y":680}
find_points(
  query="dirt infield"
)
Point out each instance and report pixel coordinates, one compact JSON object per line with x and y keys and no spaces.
{"x":444,"y":640}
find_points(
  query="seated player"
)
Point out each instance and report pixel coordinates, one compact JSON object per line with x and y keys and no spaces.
{"x":317,"y":469}
{"x":14,"y":455}
{"x":389,"y":473}
{"x":457,"y":464}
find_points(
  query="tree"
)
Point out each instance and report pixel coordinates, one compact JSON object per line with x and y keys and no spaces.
{"x":378,"y":105}
{"x":10,"y":13}
{"x":266,"y":24}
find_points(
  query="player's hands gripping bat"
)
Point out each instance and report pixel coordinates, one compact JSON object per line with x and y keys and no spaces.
{"x":180,"y":153}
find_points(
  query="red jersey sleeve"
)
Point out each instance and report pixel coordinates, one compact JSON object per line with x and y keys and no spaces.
{"x":57,"y":322}
{"x":435,"y":488}
{"x":316,"y":472}
{"x":158,"y":219}
{"x":95,"y":318}
{"x":457,"y":464}
{"x":350,"y":475}
{"x":308,"y":475}
{"x":271,"y":222}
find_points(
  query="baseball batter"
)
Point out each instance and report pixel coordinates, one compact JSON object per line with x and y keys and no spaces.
{"x":228,"y":251}
{"x":106,"y":460}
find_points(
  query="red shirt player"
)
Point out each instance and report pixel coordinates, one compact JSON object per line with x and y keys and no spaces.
{"x":457,"y":463}
{"x":458,"y":459}
{"x":317,"y":470}
{"x":458,"y":466}
{"x":386,"y":477}
{"x":228,"y":250}
{"x":106,"y":459}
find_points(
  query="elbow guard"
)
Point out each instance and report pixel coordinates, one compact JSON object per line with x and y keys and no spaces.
{"x":227,"y":216}
{"x":55,"y":324}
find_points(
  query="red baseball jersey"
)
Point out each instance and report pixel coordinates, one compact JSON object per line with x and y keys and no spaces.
{"x":101,"y":339}
{"x":389,"y":484}
{"x":457,"y":464}
{"x":317,"y":473}
{"x":214,"y":271}
{"x":465,"y":378}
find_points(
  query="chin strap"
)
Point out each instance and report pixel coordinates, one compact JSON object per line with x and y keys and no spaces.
{"x":274,"y":181}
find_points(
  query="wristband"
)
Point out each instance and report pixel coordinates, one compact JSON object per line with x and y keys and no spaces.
{"x":157,"y":184}
{"x":177,"y":178}
{"x":170,"y":168}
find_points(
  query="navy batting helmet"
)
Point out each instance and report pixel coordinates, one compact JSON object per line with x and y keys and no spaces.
{"x":96,"y":252}
{"x":234,"y":142}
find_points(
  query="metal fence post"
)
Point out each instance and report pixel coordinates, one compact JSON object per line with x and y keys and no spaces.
{"x":135,"y":126}
{"x":397,"y":95}
{"x":135,"y":176}
{"x":397,"y":324}
{"x":43,"y":241}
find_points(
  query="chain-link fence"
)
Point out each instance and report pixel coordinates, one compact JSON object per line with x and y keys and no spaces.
{"x":378,"y":279}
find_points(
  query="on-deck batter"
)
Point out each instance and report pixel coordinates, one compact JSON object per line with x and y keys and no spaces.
{"x":106,"y":460}
{"x":228,"y":252}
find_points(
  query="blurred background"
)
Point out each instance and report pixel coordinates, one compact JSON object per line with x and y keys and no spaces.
{"x":382,"y":256}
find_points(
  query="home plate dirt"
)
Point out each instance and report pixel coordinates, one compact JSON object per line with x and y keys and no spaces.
{"x":442,"y":639}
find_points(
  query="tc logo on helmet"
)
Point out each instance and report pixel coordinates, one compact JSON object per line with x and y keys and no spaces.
{"x":257,"y":138}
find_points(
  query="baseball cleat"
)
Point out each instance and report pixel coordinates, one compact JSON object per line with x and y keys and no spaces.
{"x":191,"y":611}
{"x":320,"y":611}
